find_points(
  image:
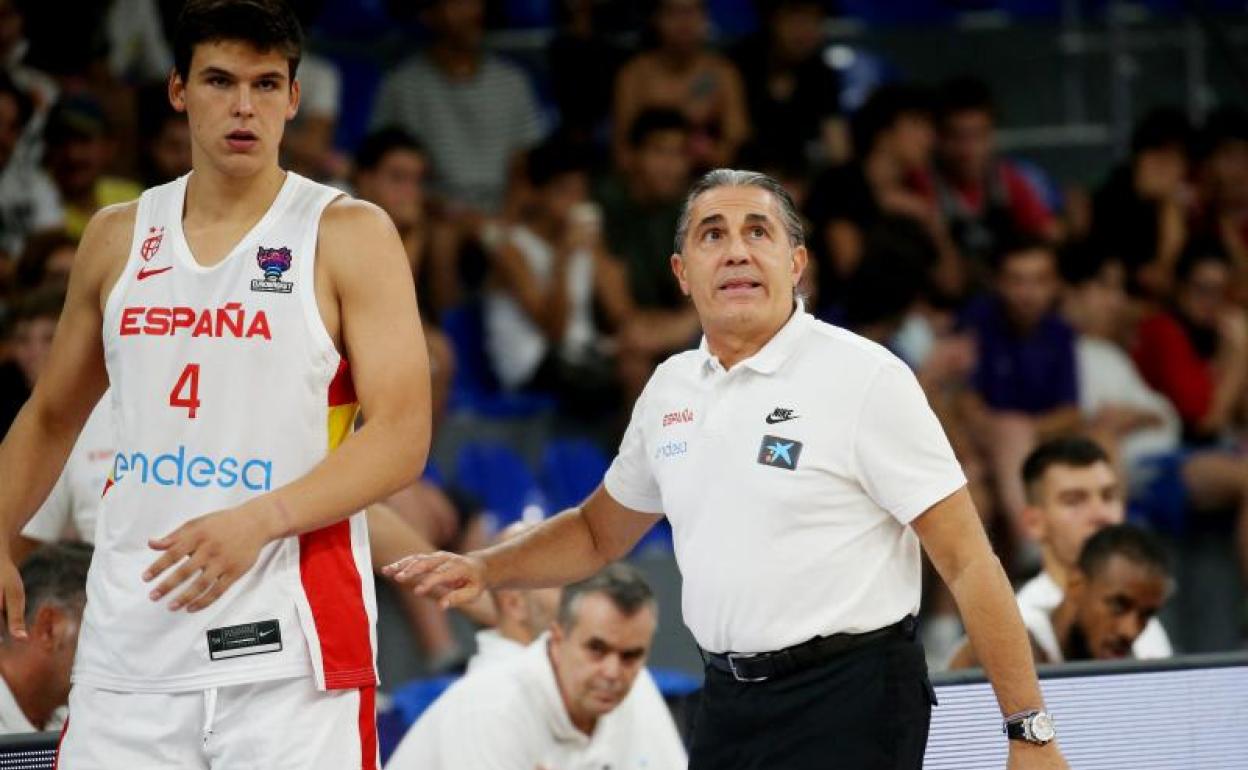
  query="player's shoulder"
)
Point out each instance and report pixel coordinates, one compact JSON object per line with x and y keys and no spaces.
{"x":106,"y":239}
{"x":348,"y":214}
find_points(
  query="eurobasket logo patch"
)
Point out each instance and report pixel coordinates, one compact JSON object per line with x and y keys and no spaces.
{"x":274,"y":262}
{"x":779,"y":452}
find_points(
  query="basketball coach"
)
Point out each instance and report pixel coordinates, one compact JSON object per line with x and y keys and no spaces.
{"x":801,"y":468}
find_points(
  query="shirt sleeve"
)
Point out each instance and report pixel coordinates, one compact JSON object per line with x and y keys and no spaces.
{"x":904,"y":461}
{"x":629,"y":480}
{"x":663,"y":748}
{"x":527,"y":126}
{"x":52,"y":518}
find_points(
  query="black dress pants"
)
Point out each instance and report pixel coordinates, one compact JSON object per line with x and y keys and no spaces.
{"x":867,"y":709}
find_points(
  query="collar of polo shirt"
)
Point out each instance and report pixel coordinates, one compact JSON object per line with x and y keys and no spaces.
{"x":774,"y":352}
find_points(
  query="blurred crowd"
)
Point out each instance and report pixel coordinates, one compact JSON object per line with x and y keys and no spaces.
{"x":539,"y":220}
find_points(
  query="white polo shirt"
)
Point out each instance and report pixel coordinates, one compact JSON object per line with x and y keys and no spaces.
{"x":1043,"y":594}
{"x":509,"y":715}
{"x":14,"y":721}
{"x":75,"y":499}
{"x":789,"y":482}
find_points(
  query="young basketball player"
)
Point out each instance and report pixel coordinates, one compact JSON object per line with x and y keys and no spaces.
{"x":229,"y":618}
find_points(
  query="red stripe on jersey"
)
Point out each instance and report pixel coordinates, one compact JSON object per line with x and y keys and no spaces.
{"x":56,"y":761}
{"x":341,"y":388}
{"x":368,"y":728}
{"x":335,"y":593}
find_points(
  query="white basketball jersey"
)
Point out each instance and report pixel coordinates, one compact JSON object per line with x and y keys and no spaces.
{"x":225,"y":385}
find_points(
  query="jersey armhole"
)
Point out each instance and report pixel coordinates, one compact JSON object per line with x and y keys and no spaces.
{"x":118,"y":292}
{"x":306,"y":286}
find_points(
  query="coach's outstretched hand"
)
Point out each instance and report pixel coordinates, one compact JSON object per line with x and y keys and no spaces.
{"x":216,"y":549}
{"x":1024,"y":756}
{"x":450,"y":579}
{"x":13,"y":595}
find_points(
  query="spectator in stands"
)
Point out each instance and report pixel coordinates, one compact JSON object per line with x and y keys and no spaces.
{"x":583,"y":63}
{"x":46,"y":260}
{"x":523,"y":616}
{"x":1141,"y":212}
{"x":539,"y":309}
{"x":876,"y":203}
{"x":34,"y":323}
{"x":80,"y":147}
{"x":308,"y":143}
{"x":983,"y":197}
{"x":1223,"y":214}
{"x":164,"y":137}
{"x":682,"y":73}
{"x":34,"y":670}
{"x":1196,"y":351}
{"x":792,"y":94}
{"x":1025,"y":388}
{"x":37,"y":85}
{"x":1122,"y":579}
{"x":29,"y":201}
{"x":640,"y":208}
{"x":1127,"y":417}
{"x":571,"y":699}
{"x":1140,"y":426}
{"x":474,"y":112}
{"x":1073,"y":492}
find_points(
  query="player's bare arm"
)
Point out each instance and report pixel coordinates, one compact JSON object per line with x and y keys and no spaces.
{"x":34,"y":451}
{"x":563,"y":549}
{"x":368,"y":302}
{"x":954,"y":538}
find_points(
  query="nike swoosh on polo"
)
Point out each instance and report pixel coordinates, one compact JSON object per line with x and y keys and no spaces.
{"x":773,"y":419}
{"x":146,"y":273}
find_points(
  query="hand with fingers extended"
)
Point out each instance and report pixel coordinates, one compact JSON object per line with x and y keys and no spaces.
{"x":450,"y":579}
{"x":13,"y":594}
{"x":211,"y":552}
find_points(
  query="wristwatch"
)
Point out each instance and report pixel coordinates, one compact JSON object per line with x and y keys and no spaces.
{"x":1033,"y":726}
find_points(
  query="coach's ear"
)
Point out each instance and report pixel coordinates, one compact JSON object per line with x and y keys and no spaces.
{"x":678,"y":270}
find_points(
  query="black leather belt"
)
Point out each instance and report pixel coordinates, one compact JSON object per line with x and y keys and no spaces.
{"x":762,"y":666}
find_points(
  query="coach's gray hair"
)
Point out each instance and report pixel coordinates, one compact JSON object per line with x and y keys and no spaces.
{"x":621,"y":583}
{"x":731,"y":177}
{"x":56,"y":574}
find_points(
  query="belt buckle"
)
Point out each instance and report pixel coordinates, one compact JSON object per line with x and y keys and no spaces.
{"x":732,"y":666}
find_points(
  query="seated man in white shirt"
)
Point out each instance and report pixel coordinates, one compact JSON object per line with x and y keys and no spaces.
{"x":34,"y":670}
{"x":572,"y":700}
{"x":1120,"y":582}
{"x":523,"y":615}
{"x":1073,"y":492}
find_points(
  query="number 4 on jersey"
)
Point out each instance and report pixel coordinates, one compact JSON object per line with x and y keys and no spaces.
{"x":185,"y":393}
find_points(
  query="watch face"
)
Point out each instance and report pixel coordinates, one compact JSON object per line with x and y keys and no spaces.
{"x":1042,"y":727}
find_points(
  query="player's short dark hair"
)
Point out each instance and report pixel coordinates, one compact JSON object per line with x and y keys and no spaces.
{"x":883,"y":109}
{"x":1068,"y":451}
{"x":56,"y":573}
{"x":1163,"y":128}
{"x":1130,"y":541}
{"x":731,"y":177}
{"x":656,"y":121}
{"x":1015,"y":243}
{"x":553,"y":159}
{"x":621,"y":583}
{"x":1198,"y":252}
{"x":1082,"y":261}
{"x":965,"y":94}
{"x":374,"y":148}
{"x":269,"y":25}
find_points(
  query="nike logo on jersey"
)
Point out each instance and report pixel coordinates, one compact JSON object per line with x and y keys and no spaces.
{"x":147,"y":273}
